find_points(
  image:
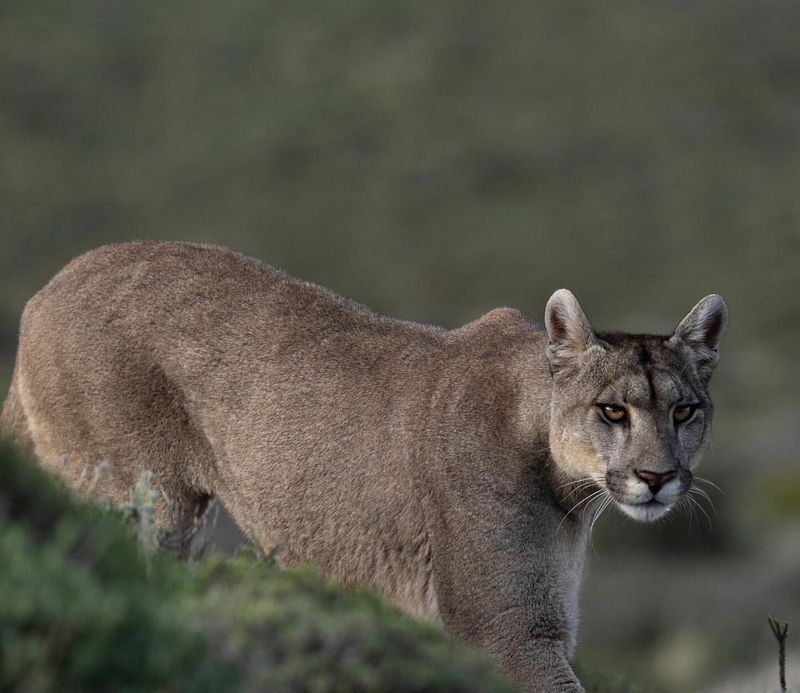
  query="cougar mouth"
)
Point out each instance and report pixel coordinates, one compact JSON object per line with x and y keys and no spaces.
{"x":644,"y":504}
{"x":648,"y":511}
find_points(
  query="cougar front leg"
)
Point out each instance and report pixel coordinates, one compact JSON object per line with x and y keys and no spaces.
{"x":541,"y":666}
{"x":502,"y":587}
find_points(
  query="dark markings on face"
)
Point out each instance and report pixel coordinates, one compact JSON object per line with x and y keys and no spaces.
{"x":644,"y":355}
{"x":646,"y":362}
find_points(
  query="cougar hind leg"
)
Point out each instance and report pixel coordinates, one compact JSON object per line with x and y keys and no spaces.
{"x":13,"y":423}
{"x":165,"y":516}
{"x":181,"y":519}
{"x":101,"y":440}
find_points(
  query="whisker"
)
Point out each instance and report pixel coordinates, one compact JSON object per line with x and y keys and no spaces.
{"x":709,"y":482}
{"x":591,"y":497}
{"x":606,"y":502}
{"x":702,"y":494}
{"x":603,"y":505}
{"x":588,"y":484}
{"x":576,"y":481}
{"x":689,"y":508}
{"x":597,"y":501}
{"x":702,"y":509}
{"x":580,"y":484}
{"x":596,"y":478}
{"x":579,"y":503}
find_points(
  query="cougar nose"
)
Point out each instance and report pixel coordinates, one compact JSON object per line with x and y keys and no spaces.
{"x":654,"y":480}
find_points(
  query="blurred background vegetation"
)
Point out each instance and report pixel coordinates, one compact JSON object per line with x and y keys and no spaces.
{"x":434,"y":160}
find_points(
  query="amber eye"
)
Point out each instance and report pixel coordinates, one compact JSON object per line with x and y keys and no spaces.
{"x":614,"y":413}
{"x":682,"y":413}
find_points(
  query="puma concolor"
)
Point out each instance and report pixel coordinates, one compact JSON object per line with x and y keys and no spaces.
{"x":455,"y":471}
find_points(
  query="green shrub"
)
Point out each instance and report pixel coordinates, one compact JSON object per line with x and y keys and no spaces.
{"x":78,"y":610}
{"x":294,"y":631}
{"x":81,"y":609}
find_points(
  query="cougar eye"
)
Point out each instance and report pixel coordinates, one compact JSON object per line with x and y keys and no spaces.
{"x":683,"y":412}
{"x":613,"y":413}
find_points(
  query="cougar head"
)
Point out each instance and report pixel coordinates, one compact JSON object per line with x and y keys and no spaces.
{"x":631,"y":413}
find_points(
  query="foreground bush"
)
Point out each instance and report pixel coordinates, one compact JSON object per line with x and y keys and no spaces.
{"x":77,"y":610}
{"x":81,"y":609}
{"x":294,"y":631}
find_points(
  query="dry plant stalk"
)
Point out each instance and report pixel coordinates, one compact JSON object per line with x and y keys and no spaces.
{"x":780,"y":631}
{"x":143,"y":506}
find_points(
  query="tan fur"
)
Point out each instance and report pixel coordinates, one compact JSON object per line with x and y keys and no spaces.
{"x":395,"y":455}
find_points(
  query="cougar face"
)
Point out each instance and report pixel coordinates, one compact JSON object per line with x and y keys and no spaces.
{"x":631,"y":413}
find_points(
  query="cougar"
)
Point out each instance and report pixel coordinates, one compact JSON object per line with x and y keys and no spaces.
{"x":455,"y":471}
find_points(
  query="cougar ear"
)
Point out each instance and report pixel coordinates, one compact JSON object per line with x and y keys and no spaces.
{"x":568,"y":328}
{"x":702,"y":331}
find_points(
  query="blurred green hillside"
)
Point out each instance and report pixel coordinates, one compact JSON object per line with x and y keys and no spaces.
{"x":430,"y":159}
{"x":434,"y":160}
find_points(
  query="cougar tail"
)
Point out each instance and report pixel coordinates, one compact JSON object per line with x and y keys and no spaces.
{"x":13,"y":421}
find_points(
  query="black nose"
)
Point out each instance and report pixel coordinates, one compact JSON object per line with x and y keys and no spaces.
{"x":654,"y":480}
